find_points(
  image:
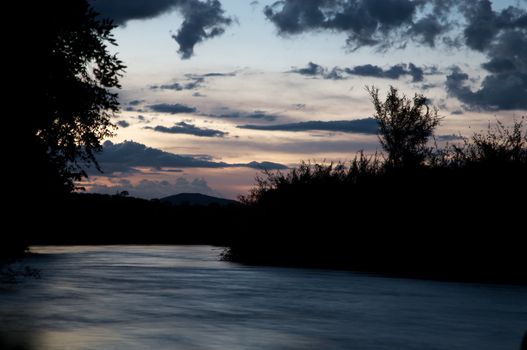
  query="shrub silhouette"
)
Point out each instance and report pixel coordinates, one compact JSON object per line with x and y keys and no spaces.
{"x":500,"y":146}
{"x":443,"y":213}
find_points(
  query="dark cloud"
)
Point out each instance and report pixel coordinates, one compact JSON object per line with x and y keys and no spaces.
{"x":337,"y":73}
{"x":393,"y":72}
{"x":134,"y":106}
{"x":315,"y":70}
{"x":449,"y":137}
{"x":171,"y":109}
{"x":126,"y":156}
{"x":123,"y":124}
{"x":381,"y":23}
{"x":194,"y":81}
{"x":499,"y":65}
{"x":142,"y":119}
{"x":178,"y":86}
{"x":208,"y":75}
{"x":484,"y":25}
{"x":457,"y":112}
{"x":366,"y":70}
{"x":312,"y":69}
{"x":256,"y":115}
{"x":427,"y":29}
{"x":261,"y":165}
{"x":503,"y":91}
{"x":121,"y":11}
{"x":202,"y":19}
{"x":189,"y":129}
{"x":366,"y":22}
{"x":135,"y":102}
{"x":428,"y":86}
{"x":363,"y":126}
{"x":156,"y":189}
{"x":415,"y":72}
{"x":261,"y":115}
{"x":501,"y":35}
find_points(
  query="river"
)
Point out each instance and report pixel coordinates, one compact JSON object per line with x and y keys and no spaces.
{"x":184,"y":297}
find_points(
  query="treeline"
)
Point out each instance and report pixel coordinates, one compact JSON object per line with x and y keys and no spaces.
{"x":83,"y":218}
{"x":456,"y":212}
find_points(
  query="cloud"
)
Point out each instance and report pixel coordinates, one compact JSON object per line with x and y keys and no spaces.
{"x":502,"y":91}
{"x":125,"y":157}
{"x":256,"y":115}
{"x":501,"y":35}
{"x":315,"y":70}
{"x":312,"y":69}
{"x":449,"y":137}
{"x":393,"y":72}
{"x":366,"y":22}
{"x":213,"y":74}
{"x":142,"y":119}
{"x":171,"y":108}
{"x":123,"y":124}
{"x":202,"y":19}
{"x":190,"y":129}
{"x":194,"y":81}
{"x":263,"y":166}
{"x":178,"y":86}
{"x":156,"y":189}
{"x":337,"y":73}
{"x":379,"y":23}
{"x":427,"y":29}
{"x":363,"y":126}
{"x":135,"y":102}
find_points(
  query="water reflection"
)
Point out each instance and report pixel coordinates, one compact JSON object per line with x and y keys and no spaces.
{"x":182,"y":297}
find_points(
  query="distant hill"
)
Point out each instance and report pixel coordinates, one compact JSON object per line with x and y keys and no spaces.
{"x":196,"y":199}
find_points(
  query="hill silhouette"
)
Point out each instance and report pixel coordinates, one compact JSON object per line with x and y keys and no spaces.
{"x":197,"y":199}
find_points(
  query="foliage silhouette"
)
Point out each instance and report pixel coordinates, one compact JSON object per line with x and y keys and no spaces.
{"x":444,"y":213}
{"x":73,"y":98}
{"x":64,"y":95}
{"x":404,"y":127}
{"x":500,"y":146}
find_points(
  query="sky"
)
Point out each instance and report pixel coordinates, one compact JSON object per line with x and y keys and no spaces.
{"x":215,"y":91}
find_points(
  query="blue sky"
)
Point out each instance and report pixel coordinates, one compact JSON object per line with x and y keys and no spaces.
{"x":258,"y":73}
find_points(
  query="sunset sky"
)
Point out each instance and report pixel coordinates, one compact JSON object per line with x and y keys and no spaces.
{"x":216,"y":90}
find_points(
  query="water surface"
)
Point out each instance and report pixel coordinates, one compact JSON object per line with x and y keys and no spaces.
{"x":183,"y":297}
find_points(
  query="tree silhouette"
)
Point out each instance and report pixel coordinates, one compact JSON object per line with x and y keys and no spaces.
{"x":62,"y":95}
{"x":73,"y":92}
{"x":405,"y":126}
